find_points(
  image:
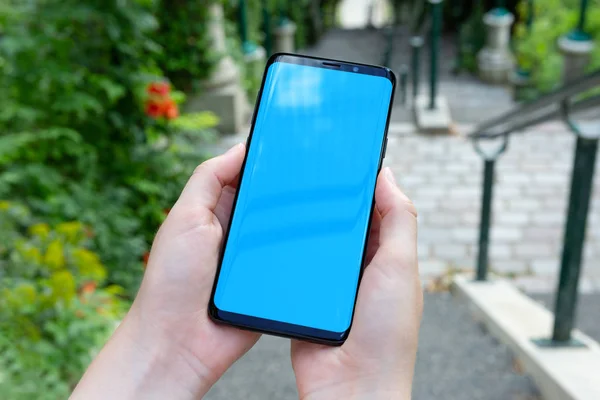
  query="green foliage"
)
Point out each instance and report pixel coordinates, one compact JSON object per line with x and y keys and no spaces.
{"x":55,"y":310}
{"x":75,"y":142}
{"x":537,"y":51}
{"x":188,"y":54}
{"x":89,"y":173}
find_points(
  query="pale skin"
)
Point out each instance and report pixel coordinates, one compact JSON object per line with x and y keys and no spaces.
{"x":167,"y":347}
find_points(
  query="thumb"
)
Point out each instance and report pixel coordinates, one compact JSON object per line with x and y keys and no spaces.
{"x":398,"y":229}
{"x":209,"y":178}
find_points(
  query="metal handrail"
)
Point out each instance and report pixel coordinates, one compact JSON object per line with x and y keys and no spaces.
{"x":541,"y":116}
{"x":534,"y":112}
{"x":562,"y":102}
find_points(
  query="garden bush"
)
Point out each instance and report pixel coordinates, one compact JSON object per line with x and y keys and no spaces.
{"x":93,"y":152}
{"x":89,"y":131}
{"x":537,"y":51}
{"x":55,"y":308}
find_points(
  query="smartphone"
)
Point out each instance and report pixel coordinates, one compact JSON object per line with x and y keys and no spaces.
{"x":293,"y":254}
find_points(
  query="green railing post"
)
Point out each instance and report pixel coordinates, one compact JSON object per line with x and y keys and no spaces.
{"x":436,"y":27}
{"x":485,"y":220}
{"x":416,"y":43}
{"x":243,"y":21}
{"x":403,"y":83}
{"x":247,"y":45}
{"x":582,"y":15}
{"x":530,"y":14}
{"x":457,"y":12}
{"x":574,"y":237}
{"x":489,"y":163}
{"x":268,"y":43}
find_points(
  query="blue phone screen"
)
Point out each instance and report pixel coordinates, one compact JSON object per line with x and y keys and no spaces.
{"x":297,"y":237}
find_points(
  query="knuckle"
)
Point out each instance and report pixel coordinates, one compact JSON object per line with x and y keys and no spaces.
{"x":202,"y":168}
{"x":410,"y":207}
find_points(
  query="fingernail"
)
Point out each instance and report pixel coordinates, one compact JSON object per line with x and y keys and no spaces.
{"x":234,"y":148}
{"x":390,"y":175}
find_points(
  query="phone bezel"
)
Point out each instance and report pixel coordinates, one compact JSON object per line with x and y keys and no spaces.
{"x":279,"y":328}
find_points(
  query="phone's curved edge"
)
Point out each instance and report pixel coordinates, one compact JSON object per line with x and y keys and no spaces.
{"x":391,"y":76}
{"x":213,"y":311}
{"x":290,"y":331}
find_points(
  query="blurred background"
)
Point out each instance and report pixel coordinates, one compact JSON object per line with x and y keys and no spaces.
{"x":108,"y":105}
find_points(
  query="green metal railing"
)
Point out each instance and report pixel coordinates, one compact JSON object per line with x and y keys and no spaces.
{"x":582,"y":15}
{"x":267,"y":28}
{"x":558,"y":103}
{"x":248,"y":46}
{"x":434,"y":48}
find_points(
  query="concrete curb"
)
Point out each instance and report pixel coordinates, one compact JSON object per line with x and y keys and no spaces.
{"x":515,"y":319}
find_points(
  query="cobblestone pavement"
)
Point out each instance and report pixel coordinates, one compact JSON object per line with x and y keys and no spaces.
{"x":456,"y":361}
{"x":442,"y":175}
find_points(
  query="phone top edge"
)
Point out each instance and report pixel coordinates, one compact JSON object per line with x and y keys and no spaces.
{"x":326,"y":63}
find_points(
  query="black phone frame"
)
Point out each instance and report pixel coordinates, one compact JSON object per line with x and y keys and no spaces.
{"x":279,"y":328}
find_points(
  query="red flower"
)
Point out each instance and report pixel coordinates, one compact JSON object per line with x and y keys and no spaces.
{"x":153,"y":109}
{"x":145,"y":258}
{"x":159,"y":88}
{"x":171,"y":112}
{"x":88,"y":288}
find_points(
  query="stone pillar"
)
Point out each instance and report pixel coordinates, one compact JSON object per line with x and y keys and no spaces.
{"x":575,"y":48}
{"x":222,"y":93}
{"x":284,"y":37}
{"x":495,"y":60}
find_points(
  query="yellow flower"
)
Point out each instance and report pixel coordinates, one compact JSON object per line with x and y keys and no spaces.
{"x":62,"y":284}
{"x":71,"y":230}
{"x":42,"y":230}
{"x":55,"y":257}
{"x":89,"y":264}
{"x":4,"y":205}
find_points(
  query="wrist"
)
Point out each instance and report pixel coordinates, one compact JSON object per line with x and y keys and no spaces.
{"x":164,"y":363}
{"x":142,"y":362}
{"x":360,"y":389}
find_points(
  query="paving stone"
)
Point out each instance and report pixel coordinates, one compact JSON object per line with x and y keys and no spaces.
{"x":433,"y":235}
{"x":445,"y":219}
{"x":532,"y":249}
{"x":464,"y":235}
{"x":547,"y":266}
{"x":432,"y":267}
{"x":506,"y":234}
{"x":423,"y":250}
{"x":511,"y":218}
{"x":509,"y":266}
{"x":545,"y":218}
{"x":527,"y":204}
{"x":500,"y":251}
{"x":450,"y":251}
{"x":536,"y":233}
